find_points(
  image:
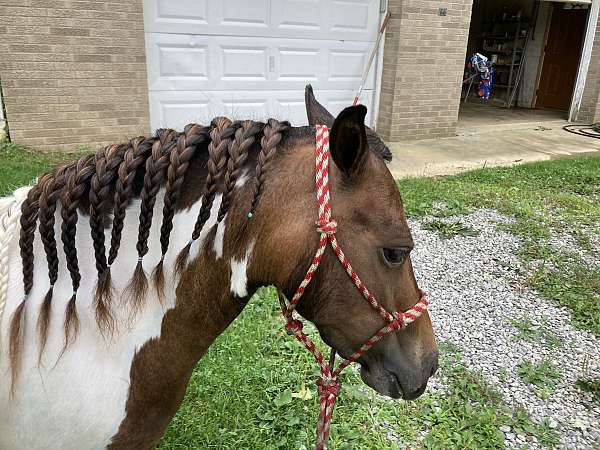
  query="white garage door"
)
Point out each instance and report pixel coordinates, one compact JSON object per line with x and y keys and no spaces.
{"x":252,"y":58}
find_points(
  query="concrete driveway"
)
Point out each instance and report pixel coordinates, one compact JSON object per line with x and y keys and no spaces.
{"x":487,"y":147}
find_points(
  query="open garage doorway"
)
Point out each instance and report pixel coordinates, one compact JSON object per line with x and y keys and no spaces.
{"x":522,"y":62}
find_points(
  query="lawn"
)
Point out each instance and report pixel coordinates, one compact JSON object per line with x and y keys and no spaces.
{"x":255,"y":386}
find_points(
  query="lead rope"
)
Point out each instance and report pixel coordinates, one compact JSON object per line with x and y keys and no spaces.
{"x":328,"y":384}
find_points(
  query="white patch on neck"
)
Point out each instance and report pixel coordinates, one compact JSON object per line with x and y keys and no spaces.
{"x":242,"y":179}
{"x":239,"y":275}
{"x":220,"y":234}
{"x":218,"y":243}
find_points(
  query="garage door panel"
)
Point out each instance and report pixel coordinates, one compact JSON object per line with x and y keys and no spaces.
{"x":299,"y":64}
{"x":177,"y":61}
{"x":186,"y":62}
{"x":244,"y":13}
{"x":298,"y":16}
{"x":244,"y":63}
{"x":174,"y":12}
{"x":307,"y":19}
{"x":176,"y":109}
{"x":351,"y":16}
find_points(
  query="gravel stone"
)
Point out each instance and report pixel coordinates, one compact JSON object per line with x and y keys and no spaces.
{"x":475,"y":285}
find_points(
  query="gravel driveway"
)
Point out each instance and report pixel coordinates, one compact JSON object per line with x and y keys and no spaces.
{"x":475,"y":287}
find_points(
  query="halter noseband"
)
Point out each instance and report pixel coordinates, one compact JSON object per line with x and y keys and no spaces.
{"x":328,"y":385}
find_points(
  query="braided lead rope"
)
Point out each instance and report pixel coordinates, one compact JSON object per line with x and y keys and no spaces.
{"x":328,"y":385}
{"x":10,"y":212}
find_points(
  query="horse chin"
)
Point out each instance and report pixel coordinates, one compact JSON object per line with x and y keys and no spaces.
{"x":386,"y":383}
{"x":382,"y":381}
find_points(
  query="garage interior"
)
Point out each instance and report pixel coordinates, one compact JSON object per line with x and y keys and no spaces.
{"x":535,"y":49}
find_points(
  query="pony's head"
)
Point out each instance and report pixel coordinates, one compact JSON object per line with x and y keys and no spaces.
{"x":374,"y":234}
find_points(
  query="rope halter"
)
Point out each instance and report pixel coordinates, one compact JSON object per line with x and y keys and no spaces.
{"x":328,"y":384}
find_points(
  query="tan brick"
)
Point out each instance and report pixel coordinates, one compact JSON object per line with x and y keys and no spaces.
{"x":422,"y":68}
{"x":73,"y":72}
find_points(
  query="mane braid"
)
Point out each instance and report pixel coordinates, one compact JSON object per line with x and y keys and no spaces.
{"x":220,"y":136}
{"x":28,"y":221}
{"x":194,"y":136}
{"x":156,"y":166}
{"x":239,"y":147}
{"x":107,"y":162}
{"x":135,"y":157}
{"x":272,"y":136}
{"x":76,"y":188}
{"x":48,"y":200}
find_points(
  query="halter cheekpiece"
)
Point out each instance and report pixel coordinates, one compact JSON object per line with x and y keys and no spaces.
{"x":328,"y":384}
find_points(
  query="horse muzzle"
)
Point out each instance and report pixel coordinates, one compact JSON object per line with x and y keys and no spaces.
{"x":396,"y":380}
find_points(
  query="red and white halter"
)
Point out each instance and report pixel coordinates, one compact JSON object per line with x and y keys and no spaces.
{"x":328,"y":385}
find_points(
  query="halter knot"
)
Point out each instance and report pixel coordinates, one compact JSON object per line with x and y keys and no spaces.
{"x":293,"y":326}
{"x":328,"y":387}
{"x":398,"y":322}
{"x":327,"y":227}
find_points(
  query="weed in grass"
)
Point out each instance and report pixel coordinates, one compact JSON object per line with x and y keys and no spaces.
{"x":502,"y":374}
{"x":572,"y":284}
{"x":542,"y":375}
{"x":546,"y":436}
{"x":590,"y":385}
{"x":527,"y":331}
{"x":448,"y":230}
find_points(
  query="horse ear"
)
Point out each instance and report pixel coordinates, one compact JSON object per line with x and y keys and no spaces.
{"x":348,"y":140}
{"x":317,"y":114}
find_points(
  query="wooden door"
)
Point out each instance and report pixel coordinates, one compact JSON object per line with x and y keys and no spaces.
{"x":561,"y":57}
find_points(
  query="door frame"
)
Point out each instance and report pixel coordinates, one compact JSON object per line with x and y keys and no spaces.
{"x":584,"y":61}
{"x":542,"y":58}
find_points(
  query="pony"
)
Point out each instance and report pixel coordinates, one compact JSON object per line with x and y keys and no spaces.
{"x":118,"y":271}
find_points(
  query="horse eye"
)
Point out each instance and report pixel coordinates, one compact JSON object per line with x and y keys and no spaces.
{"x":394,"y":256}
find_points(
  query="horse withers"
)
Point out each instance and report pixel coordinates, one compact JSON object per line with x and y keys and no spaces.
{"x":119,"y":270}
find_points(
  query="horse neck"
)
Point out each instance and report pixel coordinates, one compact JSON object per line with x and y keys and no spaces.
{"x":214,"y":288}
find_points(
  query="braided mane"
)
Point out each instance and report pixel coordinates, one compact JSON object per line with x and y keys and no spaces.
{"x":103,"y":185}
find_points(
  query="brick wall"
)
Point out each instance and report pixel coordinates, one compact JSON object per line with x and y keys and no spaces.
{"x":589,"y":111}
{"x":423,"y":65}
{"x":73,"y":72}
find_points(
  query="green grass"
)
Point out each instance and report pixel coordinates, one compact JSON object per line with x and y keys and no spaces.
{"x":561,"y":196}
{"x":448,"y":230}
{"x":592,"y":386}
{"x":542,"y":375}
{"x":527,"y":331}
{"x":19,"y":166}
